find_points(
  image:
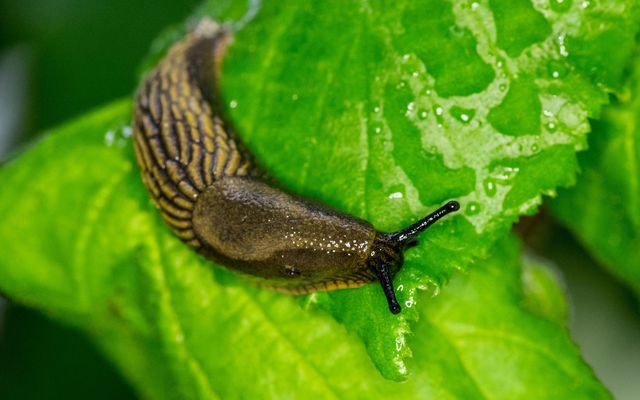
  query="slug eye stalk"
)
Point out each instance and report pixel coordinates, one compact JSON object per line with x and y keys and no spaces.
{"x":387,"y":255}
{"x":410,"y":233}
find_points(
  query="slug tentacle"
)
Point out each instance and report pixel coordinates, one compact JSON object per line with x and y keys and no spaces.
{"x":410,"y":233}
{"x":386,"y":281}
{"x":388,"y":248}
{"x":213,"y":195}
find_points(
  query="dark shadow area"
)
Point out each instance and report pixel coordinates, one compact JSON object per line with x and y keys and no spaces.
{"x":40,"y":359}
{"x":81,"y":54}
{"x":58,"y":59}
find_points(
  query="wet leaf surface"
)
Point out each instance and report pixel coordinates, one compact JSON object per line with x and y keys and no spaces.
{"x":422,"y":103}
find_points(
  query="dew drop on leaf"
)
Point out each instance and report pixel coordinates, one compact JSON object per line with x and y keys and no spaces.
{"x":375,"y":129}
{"x":505,"y":174}
{"x":490,"y":187}
{"x":473,"y":208}
{"x":464,"y":115}
{"x":557,"y":69}
{"x":438,"y":111}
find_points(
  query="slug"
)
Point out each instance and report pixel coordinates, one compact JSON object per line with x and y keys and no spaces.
{"x":218,"y":200}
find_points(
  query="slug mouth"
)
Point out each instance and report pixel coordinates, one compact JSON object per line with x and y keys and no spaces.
{"x":387,"y":252}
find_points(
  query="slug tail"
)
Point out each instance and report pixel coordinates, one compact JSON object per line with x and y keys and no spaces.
{"x":182,"y":140}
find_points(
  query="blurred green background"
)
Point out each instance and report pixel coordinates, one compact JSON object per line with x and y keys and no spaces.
{"x":78,"y":54}
{"x":60,"y":58}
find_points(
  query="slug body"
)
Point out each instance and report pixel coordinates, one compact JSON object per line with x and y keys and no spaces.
{"x":214,"y":196}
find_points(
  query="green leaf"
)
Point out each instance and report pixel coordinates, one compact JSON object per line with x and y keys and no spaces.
{"x":179,"y":328}
{"x":383,"y":111}
{"x":484,"y":318}
{"x":544,"y":294}
{"x":388,"y":110}
{"x":603,"y":209}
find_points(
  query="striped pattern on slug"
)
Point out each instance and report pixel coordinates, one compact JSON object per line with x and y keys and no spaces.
{"x":213,"y":195}
{"x":183,"y":145}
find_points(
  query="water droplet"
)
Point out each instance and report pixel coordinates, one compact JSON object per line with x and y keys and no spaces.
{"x":233,"y":103}
{"x":502,"y":87}
{"x":376,"y":109}
{"x":415,"y":74}
{"x":410,"y":302}
{"x":400,"y":85}
{"x":562,"y":45}
{"x":535,"y":148}
{"x":376,"y":129}
{"x":561,"y":5}
{"x":400,"y":343}
{"x":405,"y":57}
{"x":438,"y":111}
{"x":490,"y":187}
{"x":109,"y":137}
{"x":473,"y":208}
{"x":557,"y":69}
{"x":585,"y":4}
{"x":396,"y":195}
{"x":505,"y":174}
{"x":410,"y":107}
{"x":463,"y":115}
{"x":474,"y":6}
{"x":127,"y":132}
{"x":551,"y":127}
{"x":423,"y":114}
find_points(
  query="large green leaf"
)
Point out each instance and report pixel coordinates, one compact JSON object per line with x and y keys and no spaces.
{"x":388,"y":109}
{"x":603,"y":209}
{"x":179,"y":328}
{"x":384,"y":111}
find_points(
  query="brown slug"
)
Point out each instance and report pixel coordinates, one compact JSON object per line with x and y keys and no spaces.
{"x":214,"y":196}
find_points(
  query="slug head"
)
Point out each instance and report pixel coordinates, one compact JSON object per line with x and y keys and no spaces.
{"x":386,"y":256}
